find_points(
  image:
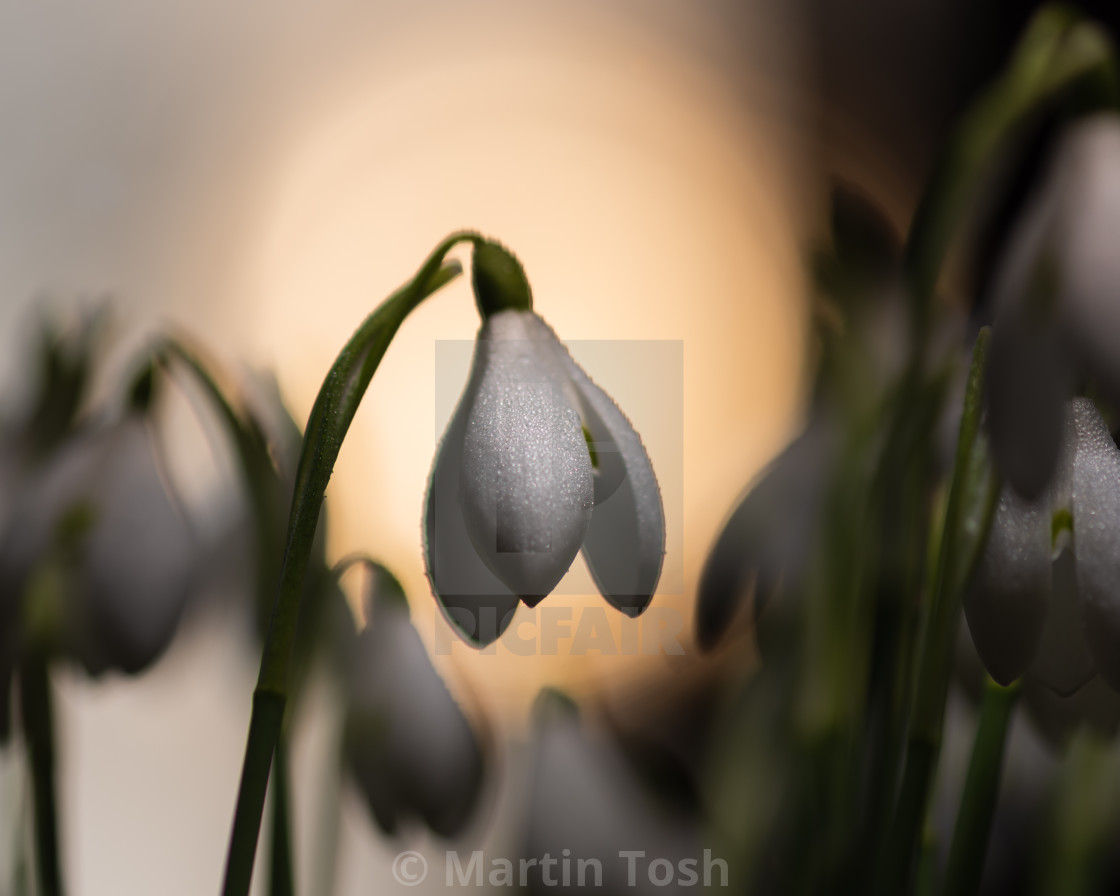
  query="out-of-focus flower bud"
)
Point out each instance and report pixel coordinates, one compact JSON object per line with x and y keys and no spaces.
{"x":408,"y":744}
{"x":98,"y":554}
{"x":588,"y":809}
{"x":769,"y":536}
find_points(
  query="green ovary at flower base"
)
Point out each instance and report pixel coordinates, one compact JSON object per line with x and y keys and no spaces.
{"x":537,"y":463}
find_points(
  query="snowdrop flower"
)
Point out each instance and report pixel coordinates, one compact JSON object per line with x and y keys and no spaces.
{"x":408,"y":744}
{"x":588,"y":806}
{"x":537,"y":463}
{"x":1046,"y":596}
{"x":99,"y":518}
{"x":1057,"y":311}
{"x":769,"y":537}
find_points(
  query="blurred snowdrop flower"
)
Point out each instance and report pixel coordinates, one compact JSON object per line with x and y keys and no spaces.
{"x":587,"y":807}
{"x":861,"y":335}
{"x":537,"y":463}
{"x":1046,"y":596}
{"x":764,"y":546}
{"x":408,"y":744}
{"x":1057,"y":311}
{"x":97,"y":553}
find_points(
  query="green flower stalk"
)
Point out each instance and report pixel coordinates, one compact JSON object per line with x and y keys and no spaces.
{"x":330,"y":419}
{"x":521,"y":445}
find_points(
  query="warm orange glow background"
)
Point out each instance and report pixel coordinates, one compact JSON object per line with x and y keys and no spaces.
{"x":645,"y":203}
{"x":263,"y":179}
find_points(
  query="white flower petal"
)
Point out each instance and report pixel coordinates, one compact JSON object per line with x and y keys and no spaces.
{"x":625,"y":543}
{"x":526,"y":476}
{"x":1096,"y":534}
{"x":137,"y":563}
{"x":141,"y":556}
{"x":1062,"y":661}
{"x":470,"y":596}
{"x":1006,"y":605}
{"x":731,"y":572}
{"x":1057,"y":718}
{"x":586,"y":802}
{"x":769,"y":534}
{"x":408,"y":743}
{"x":1088,"y":164}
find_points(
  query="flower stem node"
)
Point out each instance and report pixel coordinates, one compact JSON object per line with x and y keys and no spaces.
{"x":499,"y":280}
{"x":514,"y":493}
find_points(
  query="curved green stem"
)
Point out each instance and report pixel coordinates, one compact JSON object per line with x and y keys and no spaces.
{"x":330,"y":418}
{"x":981,"y":790}
{"x":251,"y":447}
{"x":38,"y":727}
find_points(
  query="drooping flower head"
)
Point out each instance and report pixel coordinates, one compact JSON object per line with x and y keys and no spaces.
{"x":408,"y":745}
{"x":766,"y":540}
{"x":537,"y":463}
{"x":587,"y":801}
{"x":98,"y":554}
{"x":1047,"y":592}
